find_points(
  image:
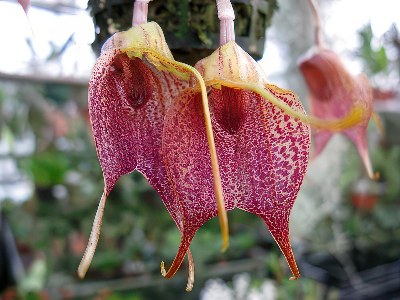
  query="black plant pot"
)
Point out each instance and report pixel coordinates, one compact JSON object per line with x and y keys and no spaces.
{"x":191,"y":27}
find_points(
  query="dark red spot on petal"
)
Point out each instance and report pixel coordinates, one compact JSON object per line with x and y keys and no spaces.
{"x":136,"y":79}
{"x":229,"y":109}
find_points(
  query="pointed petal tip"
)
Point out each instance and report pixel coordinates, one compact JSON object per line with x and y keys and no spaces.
{"x":281,"y":237}
{"x":225,"y":245}
{"x":189,"y":287}
{"x":375,"y":176}
{"x":179,"y":257}
{"x":224,"y":231}
{"x":295,"y":277}
{"x":93,"y":238}
{"x":25,"y":5}
{"x":367,"y":164}
{"x":292,"y":266}
{"x":363,"y":152}
{"x":190,"y":282}
{"x":81,"y":271}
{"x":162,"y":267}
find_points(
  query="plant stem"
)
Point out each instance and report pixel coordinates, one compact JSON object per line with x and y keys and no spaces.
{"x":140,"y":10}
{"x":317,"y":23}
{"x":226,"y":15}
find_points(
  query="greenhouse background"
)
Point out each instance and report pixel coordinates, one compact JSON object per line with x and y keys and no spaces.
{"x":345,"y":227}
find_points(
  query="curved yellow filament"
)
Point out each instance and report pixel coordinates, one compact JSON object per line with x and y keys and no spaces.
{"x":350,"y":120}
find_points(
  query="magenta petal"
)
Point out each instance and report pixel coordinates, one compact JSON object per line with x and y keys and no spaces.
{"x":273,"y":157}
{"x":127,"y":119}
{"x":263,"y":155}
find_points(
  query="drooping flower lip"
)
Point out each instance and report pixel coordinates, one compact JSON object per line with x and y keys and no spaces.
{"x":333,"y":93}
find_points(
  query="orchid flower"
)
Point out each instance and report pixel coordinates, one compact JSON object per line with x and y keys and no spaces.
{"x":334,"y":92}
{"x":133,"y":85}
{"x":262,"y":149}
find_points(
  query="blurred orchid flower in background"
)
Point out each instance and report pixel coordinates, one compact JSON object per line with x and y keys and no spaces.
{"x":334,"y":92}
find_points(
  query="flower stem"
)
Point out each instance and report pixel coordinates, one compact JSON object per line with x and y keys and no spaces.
{"x":317,"y":23}
{"x":226,"y":15}
{"x":140,"y":9}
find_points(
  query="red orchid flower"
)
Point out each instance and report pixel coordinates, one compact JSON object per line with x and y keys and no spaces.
{"x":262,"y":144}
{"x":334,"y":92}
{"x":134,"y":82}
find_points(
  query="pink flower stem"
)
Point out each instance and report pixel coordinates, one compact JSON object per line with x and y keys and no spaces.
{"x":317,"y":23}
{"x":140,"y":9}
{"x":226,"y":15}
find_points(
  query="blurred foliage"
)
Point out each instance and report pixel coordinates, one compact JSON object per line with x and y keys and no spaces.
{"x":374,"y":57}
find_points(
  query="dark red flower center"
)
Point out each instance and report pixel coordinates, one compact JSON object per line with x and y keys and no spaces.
{"x":229,"y":109}
{"x":136,"y":79}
